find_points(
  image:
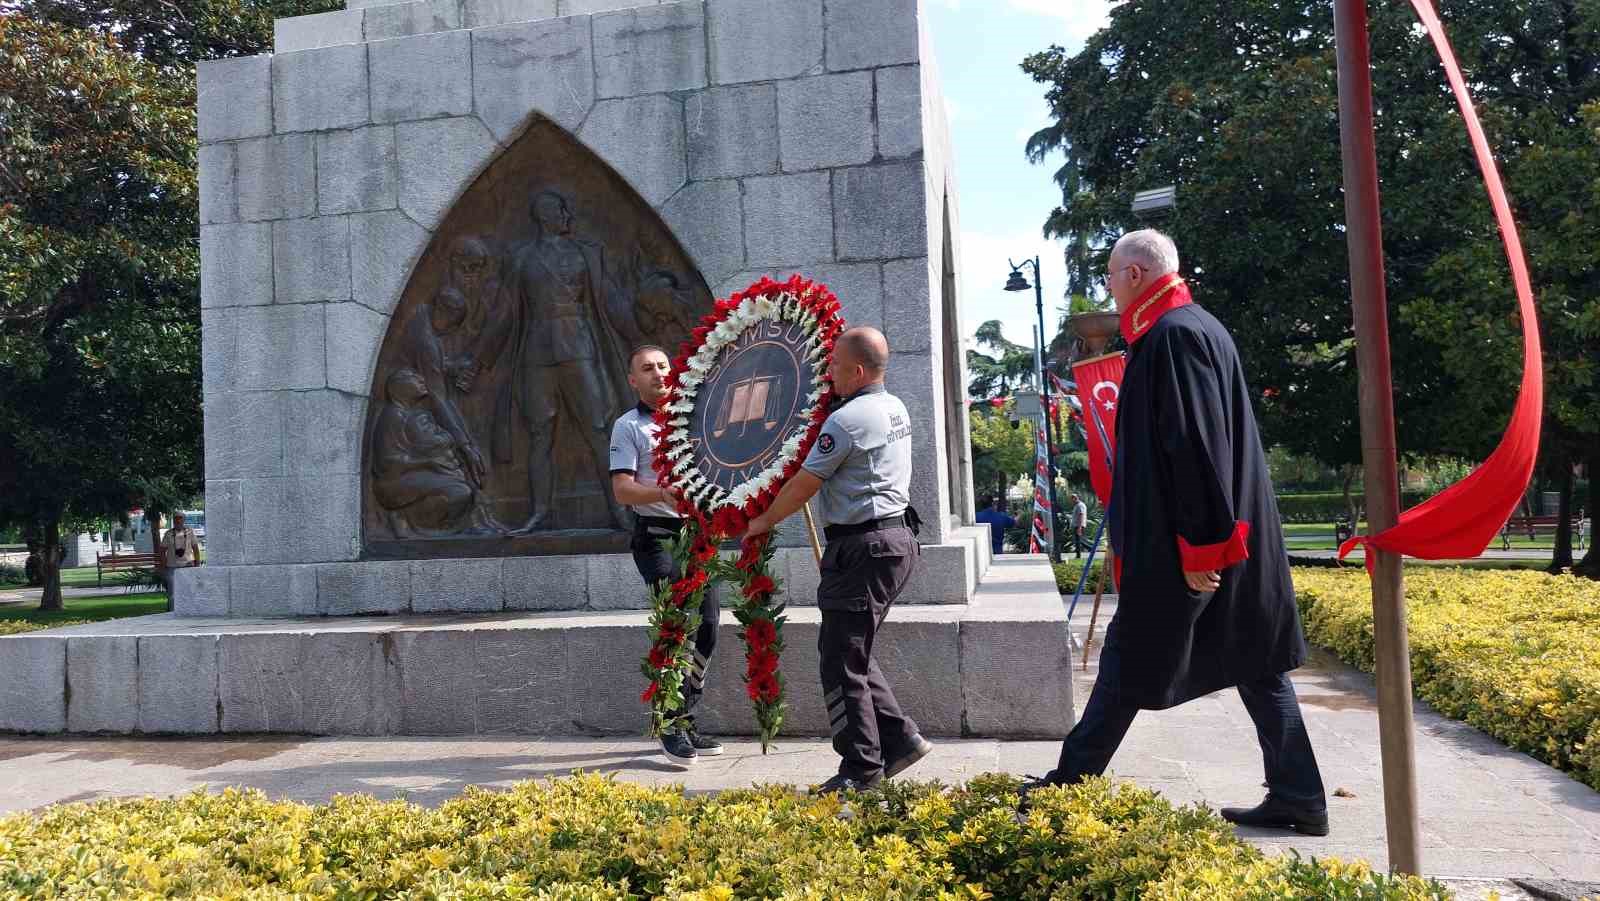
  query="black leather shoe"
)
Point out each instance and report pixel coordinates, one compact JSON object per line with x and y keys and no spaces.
{"x":1273,"y":813}
{"x":678,"y":749}
{"x":841,"y":783}
{"x":920,"y":748}
{"x":705,"y":747}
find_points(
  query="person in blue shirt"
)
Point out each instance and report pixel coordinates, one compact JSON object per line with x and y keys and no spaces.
{"x":994,"y":513}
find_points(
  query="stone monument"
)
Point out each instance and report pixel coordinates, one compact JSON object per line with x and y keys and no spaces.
{"x":430,"y":234}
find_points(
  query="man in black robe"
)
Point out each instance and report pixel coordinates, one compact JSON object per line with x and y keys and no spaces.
{"x":1205,"y":601}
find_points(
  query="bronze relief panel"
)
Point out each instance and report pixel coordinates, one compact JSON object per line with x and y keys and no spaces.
{"x":505,"y":362}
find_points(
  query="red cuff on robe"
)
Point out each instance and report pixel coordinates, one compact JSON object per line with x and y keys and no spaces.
{"x":1208,"y":557}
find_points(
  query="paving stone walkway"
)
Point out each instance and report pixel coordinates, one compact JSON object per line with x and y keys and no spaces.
{"x":1488,"y":813}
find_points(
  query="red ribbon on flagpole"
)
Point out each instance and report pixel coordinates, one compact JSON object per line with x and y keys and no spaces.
{"x":1461,"y":520}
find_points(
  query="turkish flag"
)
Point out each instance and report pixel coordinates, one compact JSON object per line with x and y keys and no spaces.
{"x":1099,"y":389}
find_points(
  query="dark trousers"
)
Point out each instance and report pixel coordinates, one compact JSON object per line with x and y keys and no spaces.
{"x":1291,"y":767}
{"x":657,"y":566}
{"x":861,"y":577}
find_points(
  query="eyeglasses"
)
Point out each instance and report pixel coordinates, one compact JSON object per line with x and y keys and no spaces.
{"x":1112,"y":273}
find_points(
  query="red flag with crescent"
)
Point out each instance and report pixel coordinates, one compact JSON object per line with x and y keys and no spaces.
{"x":1099,"y":389}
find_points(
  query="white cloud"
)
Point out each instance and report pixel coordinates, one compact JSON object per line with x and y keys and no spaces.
{"x":1082,"y":17}
{"x":986,"y":262}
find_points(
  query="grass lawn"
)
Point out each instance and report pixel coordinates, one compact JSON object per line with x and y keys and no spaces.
{"x":1316,"y":535}
{"x":84,"y":577}
{"x":81,"y":610}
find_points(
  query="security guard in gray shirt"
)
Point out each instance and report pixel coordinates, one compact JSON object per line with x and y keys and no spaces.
{"x":860,"y":468}
{"x":635,"y":483}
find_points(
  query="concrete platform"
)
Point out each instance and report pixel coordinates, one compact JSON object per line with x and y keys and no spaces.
{"x":999,"y":666}
{"x":948,"y":573}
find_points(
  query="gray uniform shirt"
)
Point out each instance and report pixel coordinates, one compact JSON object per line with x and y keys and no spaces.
{"x":863,"y":457}
{"x":633,"y":440}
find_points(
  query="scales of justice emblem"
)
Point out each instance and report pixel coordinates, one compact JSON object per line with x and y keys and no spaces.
{"x":750,"y":400}
{"x":756,"y":397}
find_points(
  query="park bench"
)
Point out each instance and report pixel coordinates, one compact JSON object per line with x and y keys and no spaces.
{"x":1535,"y":526}
{"x":104,"y":563}
{"x":1343,"y":530}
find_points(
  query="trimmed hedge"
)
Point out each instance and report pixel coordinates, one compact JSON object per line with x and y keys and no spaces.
{"x":18,"y":626}
{"x":1329,"y":507}
{"x":1068,"y":570}
{"x":1515,"y":654}
{"x":591,"y":838}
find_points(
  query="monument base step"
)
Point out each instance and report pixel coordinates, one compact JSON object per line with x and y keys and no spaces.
{"x":999,"y":666}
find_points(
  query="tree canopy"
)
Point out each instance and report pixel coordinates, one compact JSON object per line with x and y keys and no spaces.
{"x":1239,"y":109}
{"x":99,"y":259}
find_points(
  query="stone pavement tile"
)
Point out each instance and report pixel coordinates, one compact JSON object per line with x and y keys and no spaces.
{"x":1565,"y":796}
{"x":1027,"y":757}
{"x":1578,"y":866}
{"x":1180,"y":792}
{"x":1484,"y":862}
{"x":1485,"y":889}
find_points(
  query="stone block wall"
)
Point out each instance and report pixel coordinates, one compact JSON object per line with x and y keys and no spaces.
{"x":772,"y":138}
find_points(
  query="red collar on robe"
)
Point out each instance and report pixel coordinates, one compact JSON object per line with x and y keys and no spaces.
{"x":1167,"y":294}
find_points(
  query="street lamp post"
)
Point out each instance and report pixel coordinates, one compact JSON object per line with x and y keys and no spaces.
{"x":1018,"y":282}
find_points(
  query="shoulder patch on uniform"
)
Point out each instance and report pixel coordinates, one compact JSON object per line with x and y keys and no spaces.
{"x":825,"y":443}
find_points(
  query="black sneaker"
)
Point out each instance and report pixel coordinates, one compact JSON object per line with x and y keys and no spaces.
{"x":679,"y":749}
{"x":1273,"y":813}
{"x":920,"y":748}
{"x":841,"y":784}
{"x":705,"y":747}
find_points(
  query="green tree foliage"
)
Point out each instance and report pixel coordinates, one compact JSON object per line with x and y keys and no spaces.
{"x":175,"y":34}
{"x":1000,"y":452}
{"x":1238,"y":107}
{"x":99,"y":330}
{"x":1005,"y":367}
{"x":99,"y":262}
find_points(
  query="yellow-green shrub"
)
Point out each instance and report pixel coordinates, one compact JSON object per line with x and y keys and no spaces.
{"x":1516,"y":654}
{"x":591,"y":838}
{"x":18,"y":626}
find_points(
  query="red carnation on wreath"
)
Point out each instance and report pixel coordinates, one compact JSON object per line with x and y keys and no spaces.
{"x":716,"y":512}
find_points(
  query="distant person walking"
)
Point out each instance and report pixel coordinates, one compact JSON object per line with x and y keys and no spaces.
{"x":1080,"y":522}
{"x":999,"y":521}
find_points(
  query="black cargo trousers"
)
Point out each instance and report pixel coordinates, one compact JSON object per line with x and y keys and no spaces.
{"x":863,"y":571}
{"x":657,"y":566}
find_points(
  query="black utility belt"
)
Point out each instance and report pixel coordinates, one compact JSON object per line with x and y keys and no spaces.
{"x":645,"y":523}
{"x":834,"y":533}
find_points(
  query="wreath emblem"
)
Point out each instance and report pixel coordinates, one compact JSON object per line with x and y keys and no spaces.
{"x":747,"y":397}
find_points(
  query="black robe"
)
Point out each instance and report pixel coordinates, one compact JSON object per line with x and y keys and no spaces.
{"x":1190,"y":470}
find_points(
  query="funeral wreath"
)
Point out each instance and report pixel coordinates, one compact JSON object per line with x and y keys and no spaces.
{"x":753,"y":375}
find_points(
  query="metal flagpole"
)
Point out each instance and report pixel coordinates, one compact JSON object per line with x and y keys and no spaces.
{"x":1370,"y":306}
{"x":1088,"y":564}
{"x":1051,"y":549}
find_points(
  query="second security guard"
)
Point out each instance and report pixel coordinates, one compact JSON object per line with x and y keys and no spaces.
{"x":860,"y":468}
{"x":634,"y":482}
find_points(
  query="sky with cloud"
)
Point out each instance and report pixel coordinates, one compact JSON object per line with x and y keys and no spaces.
{"x":994,"y":107}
